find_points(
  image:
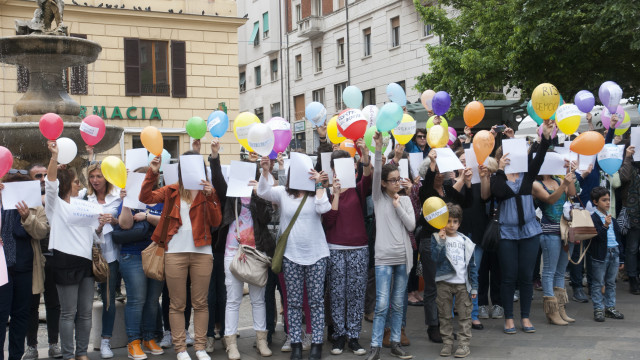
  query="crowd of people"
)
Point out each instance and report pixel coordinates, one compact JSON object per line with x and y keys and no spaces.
{"x":352,"y":254}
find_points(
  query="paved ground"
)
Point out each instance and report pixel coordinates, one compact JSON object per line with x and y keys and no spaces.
{"x":586,"y":339}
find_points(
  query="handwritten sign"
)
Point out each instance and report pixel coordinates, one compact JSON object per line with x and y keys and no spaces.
{"x":84,"y":213}
{"x":243,"y":131}
{"x":349,"y":117}
{"x":407,"y":128}
{"x":88,"y":129}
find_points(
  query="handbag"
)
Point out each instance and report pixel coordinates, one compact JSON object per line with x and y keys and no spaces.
{"x":100,"y":268}
{"x":153,"y":255}
{"x":623,"y":221}
{"x":579,"y":228}
{"x":138,"y":232}
{"x":250,"y":265}
{"x":491,"y":236}
{"x":281,"y":246}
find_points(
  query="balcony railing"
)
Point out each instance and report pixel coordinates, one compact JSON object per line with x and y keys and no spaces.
{"x":311,"y":27}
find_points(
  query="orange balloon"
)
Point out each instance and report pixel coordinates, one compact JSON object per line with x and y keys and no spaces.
{"x":473,"y":113}
{"x":151,"y":139}
{"x":348,"y":146}
{"x":483,"y":143}
{"x":588,"y":143}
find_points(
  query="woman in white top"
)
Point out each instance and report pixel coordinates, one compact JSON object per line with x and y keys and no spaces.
{"x":305,"y":257}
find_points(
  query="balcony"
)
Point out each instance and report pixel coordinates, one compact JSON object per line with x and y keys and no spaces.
{"x":311,"y":27}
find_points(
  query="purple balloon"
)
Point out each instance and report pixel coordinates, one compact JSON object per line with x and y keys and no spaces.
{"x":584,"y":100}
{"x":610,"y":94}
{"x":281,"y":133}
{"x":273,"y":155}
{"x":441,"y":102}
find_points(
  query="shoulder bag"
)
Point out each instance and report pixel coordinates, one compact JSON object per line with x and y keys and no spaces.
{"x":580,"y":228}
{"x":153,"y":255}
{"x":100,"y":268}
{"x":281,"y":246}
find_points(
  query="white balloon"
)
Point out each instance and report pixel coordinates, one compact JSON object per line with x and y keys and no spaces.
{"x":261,"y":139}
{"x":67,"y":150}
{"x":370,"y":113}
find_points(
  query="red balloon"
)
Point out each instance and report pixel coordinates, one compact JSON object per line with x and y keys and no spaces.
{"x":51,"y":126}
{"x":92,"y":129}
{"x":352,"y":124}
{"x":6,"y":161}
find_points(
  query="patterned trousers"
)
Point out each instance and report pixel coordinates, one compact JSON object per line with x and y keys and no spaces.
{"x":348,"y":282}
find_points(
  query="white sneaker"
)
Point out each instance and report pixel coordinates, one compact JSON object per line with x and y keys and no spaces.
{"x":31,"y":353}
{"x":286,"y":347}
{"x":306,"y":342}
{"x":210,"y":342}
{"x":190,"y":340}
{"x":183,"y":355}
{"x":166,"y":341}
{"x":105,"y":349}
{"x":202,"y":355}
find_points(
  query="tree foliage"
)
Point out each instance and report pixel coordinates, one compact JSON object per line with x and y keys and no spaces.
{"x":488,"y":44}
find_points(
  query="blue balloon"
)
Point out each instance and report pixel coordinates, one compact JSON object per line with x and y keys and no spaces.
{"x":218,"y":123}
{"x":610,"y":166}
{"x":396,"y":94}
{"x":316,"y":113}
{"x":610,"y":158}
{"x":166,"y":157}
{"x":533,"y":114}
{"x":389,"y":117}
{"x":352,"y":97}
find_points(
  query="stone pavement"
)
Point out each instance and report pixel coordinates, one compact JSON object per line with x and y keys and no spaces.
{"x":586,"y":339}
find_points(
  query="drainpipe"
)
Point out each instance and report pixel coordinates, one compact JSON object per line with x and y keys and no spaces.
{"x":288,"y":67}
{"x":346,"y":11}
{"x":281,"y":65}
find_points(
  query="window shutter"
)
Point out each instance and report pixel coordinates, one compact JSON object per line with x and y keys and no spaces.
{"x":79,"y":82}
{"x":395,"y":22}
{"x":132,"y":67}
{"x":178,"y":69}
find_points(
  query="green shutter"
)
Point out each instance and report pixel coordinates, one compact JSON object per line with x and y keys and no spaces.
{"x":265,"y":22}
{"x":256,"y":27}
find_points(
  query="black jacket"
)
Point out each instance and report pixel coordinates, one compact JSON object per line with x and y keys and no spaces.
{"x":598,"y":248}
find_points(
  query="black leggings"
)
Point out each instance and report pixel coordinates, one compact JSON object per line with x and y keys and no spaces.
{"x":489,"y":279}
{"x":517,"y":260}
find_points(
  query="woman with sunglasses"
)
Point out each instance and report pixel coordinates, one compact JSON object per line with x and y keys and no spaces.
{"x":418,"y":143}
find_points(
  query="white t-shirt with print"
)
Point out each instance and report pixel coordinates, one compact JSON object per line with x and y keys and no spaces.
{"x":455,"y":253}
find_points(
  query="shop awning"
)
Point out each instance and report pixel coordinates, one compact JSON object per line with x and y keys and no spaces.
{"x":256,"y":27}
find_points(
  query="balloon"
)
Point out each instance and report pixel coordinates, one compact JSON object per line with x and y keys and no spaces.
{"x":453,"y":135}
{"x":605,"y":117}
{"x":151,"y":139}
{"x":389,"y":117}
{"x":241,"y":125}
{"x":610,"y":94}
{"x":533,"y":114}
{"x":437,"y":136}
{"x":196,"y":127}
{"x":334,"y":134}
{"x":348,"y":146}
{"x":352,"y":124}
{"x":588,"y":143}
{"x":405,"y":131}
{"x":483,"y":143}
{"x":370,"y":113}
{"x":67,"y":150}
{"x":568,"y":118}
{"x":426,"y":99}
{"x":261,"y":139}
{"x":584,"y":100}
{"x":316,"y":113}
{"x":164,"y":159}
{"x":114,"y":171}
{"x":443,"y":122}
{"x":396,"y":94}
{"x":218,"y":123}
{"x":623,"y":126}
{"x":92,"y":129}
{"x":51,"y":126}
{"x":441,"y":102}
{"x":281,"y":133}
{"x":368,"y":139}
{"x":610,"y":158}
{"x":6,"y":161}
{"x":553,"y":117}
{"x":435,"y":212}
{"x":473,"y":113}
{"x":352,"y":97}
{"x":545,"y":99}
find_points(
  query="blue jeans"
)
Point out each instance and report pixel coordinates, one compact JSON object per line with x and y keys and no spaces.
{"x":517,"y":260}
{"x":143,"y":293}
{"x":477,"y":256}
{"x":554,"y":260}
{"x":385,"y":294}
{"x":405,"y":306}
{"x":109,"y":314}
{"x":603,"y":273}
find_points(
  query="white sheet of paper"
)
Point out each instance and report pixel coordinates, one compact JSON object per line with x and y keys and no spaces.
{"x":447,"y":160}
{"x":170,"y":174}
{"x":403,"y":167}
{"x":517,"y":150}
{"x":299,"y":172}
{"x":136,"y":158}
{"x":472,"y":162}
{"x":84,"y":213}
{"x":553,"y":164}
{"x":192,"y":171}
{"x":133,"y":187}
{"x":240,"y":173}
{"x":586,"y":160}
{"x":4,"y":273}
{"x":225,"y":172}
{"x":415,"y":160}
{"x":15,"y":192}
{"x":325,"y":158}
{"x":287,"y":164}
{"x":635,"y":141}
{"x":345,"y":172}
{"x":107,"y":228}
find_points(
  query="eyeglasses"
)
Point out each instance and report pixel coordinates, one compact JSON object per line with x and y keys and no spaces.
{"x":18,"y":171}
{"x":40,"y":175}
{"x":421,"y":136}
{"x":394,"y":180}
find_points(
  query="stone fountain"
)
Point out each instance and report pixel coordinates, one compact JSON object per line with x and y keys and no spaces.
{"x":46,"y":51}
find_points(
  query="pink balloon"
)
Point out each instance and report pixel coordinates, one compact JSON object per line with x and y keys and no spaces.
{"x":6,"y":160}
{"x":605,"y":117}
{"x":92,"y":129}
{"x":51,"y":126}
{"x":281,"y":133}
{"x":453,"y":135}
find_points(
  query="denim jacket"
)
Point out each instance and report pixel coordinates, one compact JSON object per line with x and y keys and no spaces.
{"x":445,"y":270}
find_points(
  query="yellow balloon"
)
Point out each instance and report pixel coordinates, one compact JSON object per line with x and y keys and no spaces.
{"x":443,"y":122}
{"x":435,"y":211}
{"x":241,"y":126}
{"x":624,"y":126}
{"x":114,"y":171}
{"x":405,"y":131}
{"x":438,"y":136}
{"x":568,"y":118}
{"x":333,"y":133}
{"x":545,"y":100}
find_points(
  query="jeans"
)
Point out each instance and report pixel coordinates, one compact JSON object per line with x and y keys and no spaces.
{"x":603,"y":273}
{"x":15,"y":300}
{"x":405,"y":307}
{"x":143,"y":293}
{"x":52,"y":306}
{"x":109,"y":313}
{"x":76,"y":306}
{"x":389,"y":298}
{"x":631,"y":252}
{"x":555,"y":261}
{"x":517,"y":260}
{"x":429,"y":276}
{"x":217,"y":298}
{"x":489,"y":279}
{"x":477,"y":256}
{"x":234,"y":299}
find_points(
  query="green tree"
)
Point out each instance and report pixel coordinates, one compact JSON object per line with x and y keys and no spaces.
{"x":488,"y":44}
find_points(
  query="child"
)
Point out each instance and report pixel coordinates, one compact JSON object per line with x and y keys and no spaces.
{"x":606,"y":257}
{"x":456,"y":277}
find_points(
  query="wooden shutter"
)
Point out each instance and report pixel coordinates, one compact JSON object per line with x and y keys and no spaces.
{"x":132,"y":83}
{"x":179,"y":69}
{"x":79,"y":83}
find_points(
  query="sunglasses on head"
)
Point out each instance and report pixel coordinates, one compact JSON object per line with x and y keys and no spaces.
{"x":18,"y":171}
{"x":93,"y":162}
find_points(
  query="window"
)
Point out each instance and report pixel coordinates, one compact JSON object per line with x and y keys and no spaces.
{"x":259,"y":113}
{"x":366,"y":40}
{"x":395,"y":32}
{"x":298,"y":13}
{"x":265,"y":25}
{"x":258,"y":73}
{"x":369,"y":97}
{"x":170,"y":143}
{"x":340,"y":4}
{"x":318,"y":95}
{"x":298,"y":66}
{"x":274,"y":69}
{"x":318,"y":59}
{"x":338,"y":89}
{"x":255,"y":37}
{"x":318,"y":7}
{"x":147,"y":68}
{"x":243,"y":81}
{"x":341,"y":51}
{"x":426,"y":30}
{"x":298,"y":103}
{"x":275,"y":110}
{"x":154,"y":67}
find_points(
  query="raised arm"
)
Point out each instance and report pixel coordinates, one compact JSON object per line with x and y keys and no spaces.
{"x":147,"y":194}
{"x":377,"y":169}
{"x":217,"y":178}
{"x":265,"y":184}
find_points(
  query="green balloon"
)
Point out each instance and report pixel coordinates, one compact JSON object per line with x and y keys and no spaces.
{"x":196,"y":127}
{"x":368,"y":139}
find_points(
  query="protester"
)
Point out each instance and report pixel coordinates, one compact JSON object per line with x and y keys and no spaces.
{"x":419,"y":143}
{"x":629,"y":175}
